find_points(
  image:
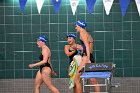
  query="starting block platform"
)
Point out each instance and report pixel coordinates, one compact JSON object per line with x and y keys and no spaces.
{"x":96,"y":75}
{"x":99,"y":71}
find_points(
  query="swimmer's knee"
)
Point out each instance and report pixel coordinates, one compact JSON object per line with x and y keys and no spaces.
{"x":93,"y":80}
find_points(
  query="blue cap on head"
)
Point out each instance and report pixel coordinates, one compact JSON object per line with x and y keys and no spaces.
{"x":71,"y":35}
{"x":81,"y":23}
{"x":42,"y":38}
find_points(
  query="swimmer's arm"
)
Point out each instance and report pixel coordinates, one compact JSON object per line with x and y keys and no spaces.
{"x":52,"y":70}
{"x":85,"y":40}
{"x":66,"y":50}
{"x":79,"y":47}
{"x":45,"y":58}
{"x":49,"y":61}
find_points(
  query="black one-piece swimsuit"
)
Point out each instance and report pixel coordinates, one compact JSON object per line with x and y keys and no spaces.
{"x":84,"y":52}
{"x":44,"y":65}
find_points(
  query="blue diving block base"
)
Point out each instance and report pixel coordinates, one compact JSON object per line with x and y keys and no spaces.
{"x":101,"y":75}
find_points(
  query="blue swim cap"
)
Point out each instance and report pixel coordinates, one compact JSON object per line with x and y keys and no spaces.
{"x":71,"y":35}
{"x":42,"y":38}
{"x":81,"y":23}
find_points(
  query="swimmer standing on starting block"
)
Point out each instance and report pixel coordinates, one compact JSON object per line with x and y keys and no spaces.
{"x":87,"y":43}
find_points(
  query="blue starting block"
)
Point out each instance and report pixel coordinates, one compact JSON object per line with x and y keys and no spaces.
{"x":96,"y":75}
{"x":99,"y":71}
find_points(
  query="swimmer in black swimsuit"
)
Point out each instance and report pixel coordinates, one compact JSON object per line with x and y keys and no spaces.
{"x":44,"y":65}
{"x":87,"y":44}
{"x":44,"y":73}
{"x":72,"y":49}
{"x":92,"y":60}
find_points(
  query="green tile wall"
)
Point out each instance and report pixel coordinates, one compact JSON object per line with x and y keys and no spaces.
{"x":117,"y":38}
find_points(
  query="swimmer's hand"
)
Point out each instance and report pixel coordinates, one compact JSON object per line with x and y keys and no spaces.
{"x":54,"y":73}
{"x":74,"y":48}
{"x":77,"y":47}
{"x":31,"y":65}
